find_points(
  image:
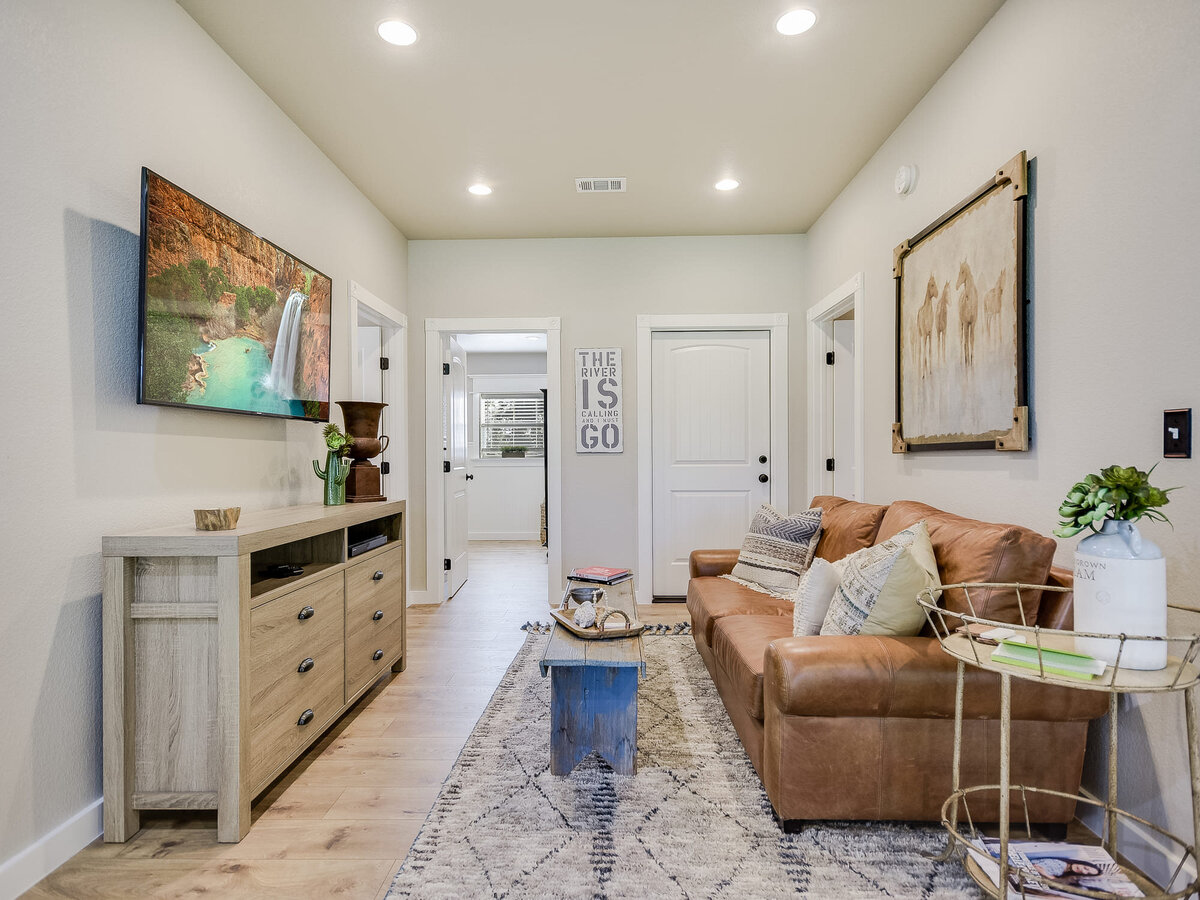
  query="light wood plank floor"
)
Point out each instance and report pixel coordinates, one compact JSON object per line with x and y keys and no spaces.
{"x":340,"y":821}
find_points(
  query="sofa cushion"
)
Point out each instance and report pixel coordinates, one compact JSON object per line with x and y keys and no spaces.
{"x":969,"y":550}
{"x":711,"y":599}
{"x":777,"y":550}
{"x":846,"y":526}
{"x":739,"y":644}
{"x":880,"y":584}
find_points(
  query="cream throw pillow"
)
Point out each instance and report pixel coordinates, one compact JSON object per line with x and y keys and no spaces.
{"x":813,"y":597}
{"x":879,"y":587}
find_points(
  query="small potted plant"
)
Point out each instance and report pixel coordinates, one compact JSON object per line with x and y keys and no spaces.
{"x":337,"y":467}
{"x":513,"y":452}
{"x":1120,"y":577}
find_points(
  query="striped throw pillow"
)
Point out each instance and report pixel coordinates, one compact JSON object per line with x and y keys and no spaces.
{"x":777,"y":551}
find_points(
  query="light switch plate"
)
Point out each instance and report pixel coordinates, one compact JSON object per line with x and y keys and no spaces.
{"x":1177,"y":433}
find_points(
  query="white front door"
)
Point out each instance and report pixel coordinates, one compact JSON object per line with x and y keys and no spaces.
{"x":843,"y":409}
{"x":454,"y":433}
{"x":711,"y":444}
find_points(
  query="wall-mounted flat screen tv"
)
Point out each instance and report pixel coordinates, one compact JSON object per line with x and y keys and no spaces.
{"x":229,"y":321}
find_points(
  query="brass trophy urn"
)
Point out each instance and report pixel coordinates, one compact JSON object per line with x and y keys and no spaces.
{"x":362,"y":424}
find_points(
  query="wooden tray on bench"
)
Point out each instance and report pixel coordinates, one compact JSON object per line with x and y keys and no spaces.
{"x":602,"y":630}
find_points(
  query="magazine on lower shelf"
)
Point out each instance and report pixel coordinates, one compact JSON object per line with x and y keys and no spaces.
{"x":1072,"y":865}
{"x":600,"y":575}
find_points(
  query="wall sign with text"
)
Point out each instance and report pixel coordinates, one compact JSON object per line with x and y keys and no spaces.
{"x":598,"y":426}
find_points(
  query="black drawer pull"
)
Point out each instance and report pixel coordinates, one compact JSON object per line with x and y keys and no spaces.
{"x":378,"y":576}
{"x":306,"y":665}
{"x":307,"y":613}
{"x":377,"y":655}
{"x":305,"y":717}
{"x":378,"y":615}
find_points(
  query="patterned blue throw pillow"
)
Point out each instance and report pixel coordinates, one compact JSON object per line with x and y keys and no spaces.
{"x":777,"y":551}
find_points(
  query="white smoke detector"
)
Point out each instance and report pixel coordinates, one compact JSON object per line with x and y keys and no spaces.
{"x":599,"y":185}
{"x":906,"y":179}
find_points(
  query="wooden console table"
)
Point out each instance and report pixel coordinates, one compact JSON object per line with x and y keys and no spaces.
{"x":216,"y":675}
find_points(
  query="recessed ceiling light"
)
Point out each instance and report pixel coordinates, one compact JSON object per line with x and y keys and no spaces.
{"x":727,"y":184}
{"x":396,"y":32}
{"x":797,"y":21}
{"x":480,"y":190}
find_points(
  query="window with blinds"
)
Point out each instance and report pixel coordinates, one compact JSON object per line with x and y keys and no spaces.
{"x":511,"y":421}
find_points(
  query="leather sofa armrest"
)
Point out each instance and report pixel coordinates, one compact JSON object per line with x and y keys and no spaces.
{"x":909,"y":677}
{"x":703,"y":563}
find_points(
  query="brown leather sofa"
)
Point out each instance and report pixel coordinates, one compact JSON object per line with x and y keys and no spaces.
{"x":862,"y":727}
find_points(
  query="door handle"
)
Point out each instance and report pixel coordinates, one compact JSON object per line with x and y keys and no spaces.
{"x":470,"y":477}
{"x":764,"y":478}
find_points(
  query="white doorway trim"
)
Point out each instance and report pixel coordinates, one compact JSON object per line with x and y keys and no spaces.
{"x":435,"y":513}
{"x":364,"y":308}
{"x":847,"y":298}
{"x":777,"y":324}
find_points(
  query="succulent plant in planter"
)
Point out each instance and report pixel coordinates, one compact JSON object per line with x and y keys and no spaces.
{"x":337,"y":467}
{"x":513,"y":452}
{"x":1123,"y":493}
{"x":1120,"y":578}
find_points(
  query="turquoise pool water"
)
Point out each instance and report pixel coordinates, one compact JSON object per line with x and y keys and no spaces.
{"x":237,"y":368}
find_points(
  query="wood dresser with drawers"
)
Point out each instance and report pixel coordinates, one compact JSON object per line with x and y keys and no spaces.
{"x":218,"y":674}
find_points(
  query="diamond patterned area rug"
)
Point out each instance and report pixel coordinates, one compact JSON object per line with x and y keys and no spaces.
{"x":693,"y":822}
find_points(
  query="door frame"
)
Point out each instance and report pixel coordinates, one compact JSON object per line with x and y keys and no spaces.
{"x":777,"y":325}
{"x":435,"y":511}
{"x":364,"y":308}
{"x":847,"y":298}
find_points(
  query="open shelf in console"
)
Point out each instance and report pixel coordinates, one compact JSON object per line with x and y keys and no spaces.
{"x":372,"y":534}
{"x":312,"y":554}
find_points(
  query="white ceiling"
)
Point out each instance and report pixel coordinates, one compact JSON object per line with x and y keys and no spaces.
{"x":525,"y":95}
{"x":502,"y":343}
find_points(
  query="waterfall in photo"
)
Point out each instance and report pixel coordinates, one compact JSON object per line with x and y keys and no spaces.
{"x":283,"y":363}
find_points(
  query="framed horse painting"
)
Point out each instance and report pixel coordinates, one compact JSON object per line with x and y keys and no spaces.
{"x":960,"y":324}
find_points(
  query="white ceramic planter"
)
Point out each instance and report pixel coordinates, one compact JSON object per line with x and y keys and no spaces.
{"x":1121,"y":588}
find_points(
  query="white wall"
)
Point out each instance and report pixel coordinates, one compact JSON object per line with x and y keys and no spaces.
{"x":506,"y":364}
{"x":90,"y":93}
{"x":1104,"y":96}
{"x":598,"y":286}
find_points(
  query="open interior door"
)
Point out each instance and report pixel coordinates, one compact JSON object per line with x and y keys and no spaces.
{"x":454,"y":435}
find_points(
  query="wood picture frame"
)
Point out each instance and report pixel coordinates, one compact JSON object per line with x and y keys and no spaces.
{"x":960,"y":324}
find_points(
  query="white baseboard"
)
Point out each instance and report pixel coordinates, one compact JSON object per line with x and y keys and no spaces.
{"x":47,"y":853}
{"x":503,"y":536}
{"x":418,"y":598}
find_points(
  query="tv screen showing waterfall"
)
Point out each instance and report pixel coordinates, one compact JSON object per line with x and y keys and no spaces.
{"x":229,"y":321}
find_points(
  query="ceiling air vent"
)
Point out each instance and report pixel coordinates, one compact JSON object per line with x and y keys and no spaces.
{"x":599,"y":185}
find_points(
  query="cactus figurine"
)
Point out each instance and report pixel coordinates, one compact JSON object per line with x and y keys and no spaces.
{"x":334,"y":475}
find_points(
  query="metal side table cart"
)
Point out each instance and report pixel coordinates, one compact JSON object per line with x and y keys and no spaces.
{"x":1179,"y":674}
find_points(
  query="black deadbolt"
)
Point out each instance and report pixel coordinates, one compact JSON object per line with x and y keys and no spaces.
{"x":762,"y":459}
